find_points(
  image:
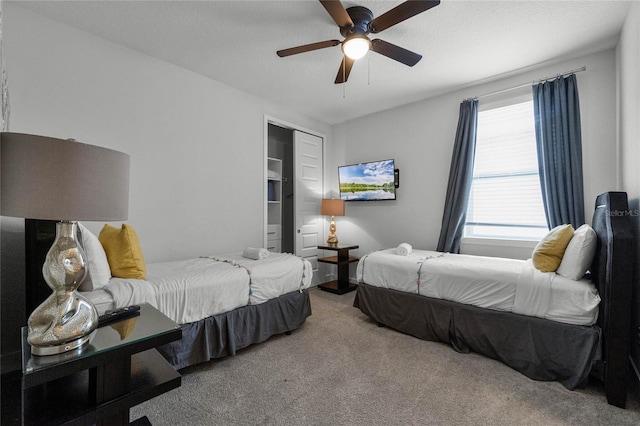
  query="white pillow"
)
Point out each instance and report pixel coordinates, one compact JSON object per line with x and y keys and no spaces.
{"x":579,"y":253}
{"x":98,"y":274}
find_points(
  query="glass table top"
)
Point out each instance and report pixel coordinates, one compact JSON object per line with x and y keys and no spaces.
{"x":149,"y":324}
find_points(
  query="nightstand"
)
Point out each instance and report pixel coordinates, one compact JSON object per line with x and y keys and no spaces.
{"x":342,"y":261}
{"x":100,"y":382}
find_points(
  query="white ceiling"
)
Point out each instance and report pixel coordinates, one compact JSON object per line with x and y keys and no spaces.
{"x":234,"y":42}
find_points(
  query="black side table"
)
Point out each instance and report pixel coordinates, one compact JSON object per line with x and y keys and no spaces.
{"x":342,"y":260}
{"x":100,"y":382}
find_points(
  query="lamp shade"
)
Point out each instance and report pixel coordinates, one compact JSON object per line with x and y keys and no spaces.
{"x":57,"y":179}
{"x":332,"y":207}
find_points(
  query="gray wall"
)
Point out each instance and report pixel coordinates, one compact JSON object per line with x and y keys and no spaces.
{"x":196,"y":145}
{"x":420,"y":137}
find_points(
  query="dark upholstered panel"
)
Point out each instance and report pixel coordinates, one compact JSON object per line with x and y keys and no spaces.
{"x":612,"y":273}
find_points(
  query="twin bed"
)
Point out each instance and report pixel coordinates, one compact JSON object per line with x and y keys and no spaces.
{"x":223,"y":303}
{"x":544,"y":325}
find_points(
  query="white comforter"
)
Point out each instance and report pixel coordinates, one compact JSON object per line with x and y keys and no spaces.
{"x":193,"y":289}
{"x":488,"y":282}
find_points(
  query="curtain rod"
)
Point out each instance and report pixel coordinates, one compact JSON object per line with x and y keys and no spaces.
{"x":584,"y":68}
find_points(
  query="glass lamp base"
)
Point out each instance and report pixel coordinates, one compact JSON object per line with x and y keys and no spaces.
{"x":65,"y":347}
{"x":66,"y":319}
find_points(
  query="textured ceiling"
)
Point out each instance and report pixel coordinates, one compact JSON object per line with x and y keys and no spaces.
{"x":234,"y":42}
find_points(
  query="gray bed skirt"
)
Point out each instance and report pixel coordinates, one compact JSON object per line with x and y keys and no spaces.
{"x":224,"y":334}
{"x":538,"y":348}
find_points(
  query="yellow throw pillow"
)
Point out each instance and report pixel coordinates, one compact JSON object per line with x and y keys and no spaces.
{"x":548,"y":253}
{"x":123,"y":252}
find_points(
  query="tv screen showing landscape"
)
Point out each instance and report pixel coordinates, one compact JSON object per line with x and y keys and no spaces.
{"x":370,"y":181}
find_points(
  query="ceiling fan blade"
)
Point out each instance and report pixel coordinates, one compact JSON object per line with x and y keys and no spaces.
{"x":337,"y":12}
{"x":307,"y":48}
{"x":345,"y":69}
{"x":400,"y":13}
{"x":394,"y":52}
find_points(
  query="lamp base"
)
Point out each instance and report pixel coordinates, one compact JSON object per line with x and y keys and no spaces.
{"x":66,"y":319}
{"x":65,"y":347}
{"x":332,"y":240}
{"x":63,"y":322}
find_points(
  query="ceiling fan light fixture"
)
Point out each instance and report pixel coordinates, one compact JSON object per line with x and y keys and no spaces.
{"x":355,"y":24}
{"x":356,"y":47}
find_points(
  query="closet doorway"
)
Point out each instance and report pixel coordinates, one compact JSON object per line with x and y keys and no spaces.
{"x":281,"y":198}
{"x":293,"y":190}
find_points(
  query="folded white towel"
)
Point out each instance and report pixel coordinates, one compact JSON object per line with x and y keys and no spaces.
{"x":404,"y":249}
{"x":255,"y":253}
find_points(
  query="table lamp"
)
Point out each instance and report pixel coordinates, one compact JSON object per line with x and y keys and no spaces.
{"x":332,"y":207}
{"x":68,"y":181}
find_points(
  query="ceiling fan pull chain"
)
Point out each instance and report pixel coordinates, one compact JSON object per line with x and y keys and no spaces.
{"x":368,"y":70}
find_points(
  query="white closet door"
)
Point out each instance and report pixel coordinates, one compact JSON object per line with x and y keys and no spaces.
{"x":308,"y":177}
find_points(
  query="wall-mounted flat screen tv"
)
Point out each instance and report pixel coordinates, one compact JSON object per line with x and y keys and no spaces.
{"x":372,"y":181}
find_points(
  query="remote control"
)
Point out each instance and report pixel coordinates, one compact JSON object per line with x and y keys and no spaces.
{"x":119,"y":314}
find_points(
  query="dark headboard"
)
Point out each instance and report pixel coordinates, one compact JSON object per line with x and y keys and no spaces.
{"x":612,"y":274}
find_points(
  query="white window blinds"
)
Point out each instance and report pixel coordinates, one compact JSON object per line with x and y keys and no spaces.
{"x":505,"y":199}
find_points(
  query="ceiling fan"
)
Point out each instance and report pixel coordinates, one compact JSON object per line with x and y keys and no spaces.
{"x":356,"y":23}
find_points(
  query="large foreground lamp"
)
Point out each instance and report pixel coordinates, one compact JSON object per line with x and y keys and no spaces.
{"x":65,"y":180}
{"x":332,"y":207}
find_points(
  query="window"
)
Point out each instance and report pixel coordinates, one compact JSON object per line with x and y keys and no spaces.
{"x":505,"y":199}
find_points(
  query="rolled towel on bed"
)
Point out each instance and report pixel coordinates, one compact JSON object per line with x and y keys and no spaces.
{"x":404,"y":249}
{"x":255,"y":253}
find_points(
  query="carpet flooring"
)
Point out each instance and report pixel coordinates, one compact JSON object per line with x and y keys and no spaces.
{"x":340,"y":368}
